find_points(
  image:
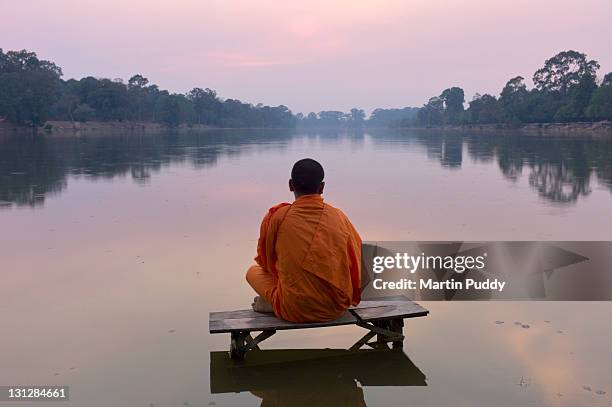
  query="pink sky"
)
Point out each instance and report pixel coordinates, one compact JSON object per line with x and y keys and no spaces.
{"x":310,"y":55}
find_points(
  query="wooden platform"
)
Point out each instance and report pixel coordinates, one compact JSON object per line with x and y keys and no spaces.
{"x":382,"y":318}
{"x":248,"y":320}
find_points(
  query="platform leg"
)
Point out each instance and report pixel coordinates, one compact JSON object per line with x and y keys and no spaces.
{"x":383,"y":339}
{"x":242,"y":342}
{"x":386,"y":331}
{"x":397,"y":325}
{"x":238,"y":346}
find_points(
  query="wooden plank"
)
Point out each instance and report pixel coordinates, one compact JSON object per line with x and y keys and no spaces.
{"x":262,"y":322}
{"x":243,"y":313}
{"x":382,"y":310}
{"x":249,"y":320}
{"x":379,"y":303}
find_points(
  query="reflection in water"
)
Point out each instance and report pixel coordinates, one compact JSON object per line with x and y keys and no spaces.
{"x":34,"y":167}
{"x":107,"y":288}
{"x":559,"y":168}
{"x":312,"y":377}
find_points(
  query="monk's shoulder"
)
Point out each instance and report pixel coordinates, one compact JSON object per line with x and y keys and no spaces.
{"x":337,"y":214}
{"x":278,"y":212}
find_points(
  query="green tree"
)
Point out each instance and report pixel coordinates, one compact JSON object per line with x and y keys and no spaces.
{"x":204,"y":104}
{"x":453,"y":99}
{"x":83,"y":113}
{"x":513,"y":100}
{"x":564,"y":70}
{"x":600,"y":106}
{"x":110,"y":99}
{"x":28,"y":87}
{"x":170,"y":111}
{"x":137,"y":94}
{"x":137,"y":82}
{"x":331,"y":118}
{"x":356,"y":117}
{"x":432,"y":113}
{"x":485,"y":109}
{"x":577,"y":101}
{"x":404,"y":117}
{"x":66,"y":105}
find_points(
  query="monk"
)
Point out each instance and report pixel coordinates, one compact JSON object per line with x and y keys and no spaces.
{"x":308,"y":264}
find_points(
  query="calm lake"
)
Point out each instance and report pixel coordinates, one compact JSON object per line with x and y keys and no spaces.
{"x":113,"y":250}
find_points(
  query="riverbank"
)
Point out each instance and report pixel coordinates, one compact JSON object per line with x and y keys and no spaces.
{"x":67,"y":128}
{"x":94,"y":128}
{"x":597,"y":129}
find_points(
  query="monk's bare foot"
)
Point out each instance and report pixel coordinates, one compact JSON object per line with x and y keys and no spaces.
{"x":261,"y":305}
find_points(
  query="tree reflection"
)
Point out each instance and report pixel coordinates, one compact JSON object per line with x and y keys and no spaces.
{"x":559,"y":169}
{"x":34,"y":167}
{"x":558,"y":184}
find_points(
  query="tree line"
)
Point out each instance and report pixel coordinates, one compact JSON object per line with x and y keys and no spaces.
{"x":566,"y":89}
{"x":32,"y":92}
{"x":356,"y":118}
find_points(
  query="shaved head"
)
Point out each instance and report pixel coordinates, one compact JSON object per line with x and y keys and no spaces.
{"x":307,"y":176}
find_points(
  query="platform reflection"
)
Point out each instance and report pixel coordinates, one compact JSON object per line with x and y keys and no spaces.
{"x":300,"y":377}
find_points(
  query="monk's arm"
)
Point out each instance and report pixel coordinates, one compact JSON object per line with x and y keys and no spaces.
{"x":354,"y":255}
{"x":262,"y":242}
{"x":266,"y":256}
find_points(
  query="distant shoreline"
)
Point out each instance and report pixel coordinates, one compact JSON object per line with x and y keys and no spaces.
{"x":603,"y":128}
{"x":67,"y":128}
{"x":96,"y":128}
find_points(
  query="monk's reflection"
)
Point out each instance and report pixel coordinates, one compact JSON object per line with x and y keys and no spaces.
{"x":312,"y":377}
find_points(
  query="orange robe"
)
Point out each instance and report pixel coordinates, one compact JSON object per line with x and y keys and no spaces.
{"x":308,"y":261}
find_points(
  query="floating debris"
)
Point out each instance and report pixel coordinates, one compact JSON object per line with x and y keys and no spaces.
{"x":559,"y":332}
{"x":525,"y":326}
{"x":587,"y":388}
{"x":171,"y":331}
{"x":518,"y":323}
{"x":548,"y":322}
{"x":499,"y":322}
{"x":600,"y":392}
{"x":524,"y":382}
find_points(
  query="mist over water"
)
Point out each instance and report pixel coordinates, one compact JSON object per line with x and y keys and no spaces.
{"x":114,"y":249}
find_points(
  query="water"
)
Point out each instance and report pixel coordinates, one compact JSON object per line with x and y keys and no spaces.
{"x":114,"y":249}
